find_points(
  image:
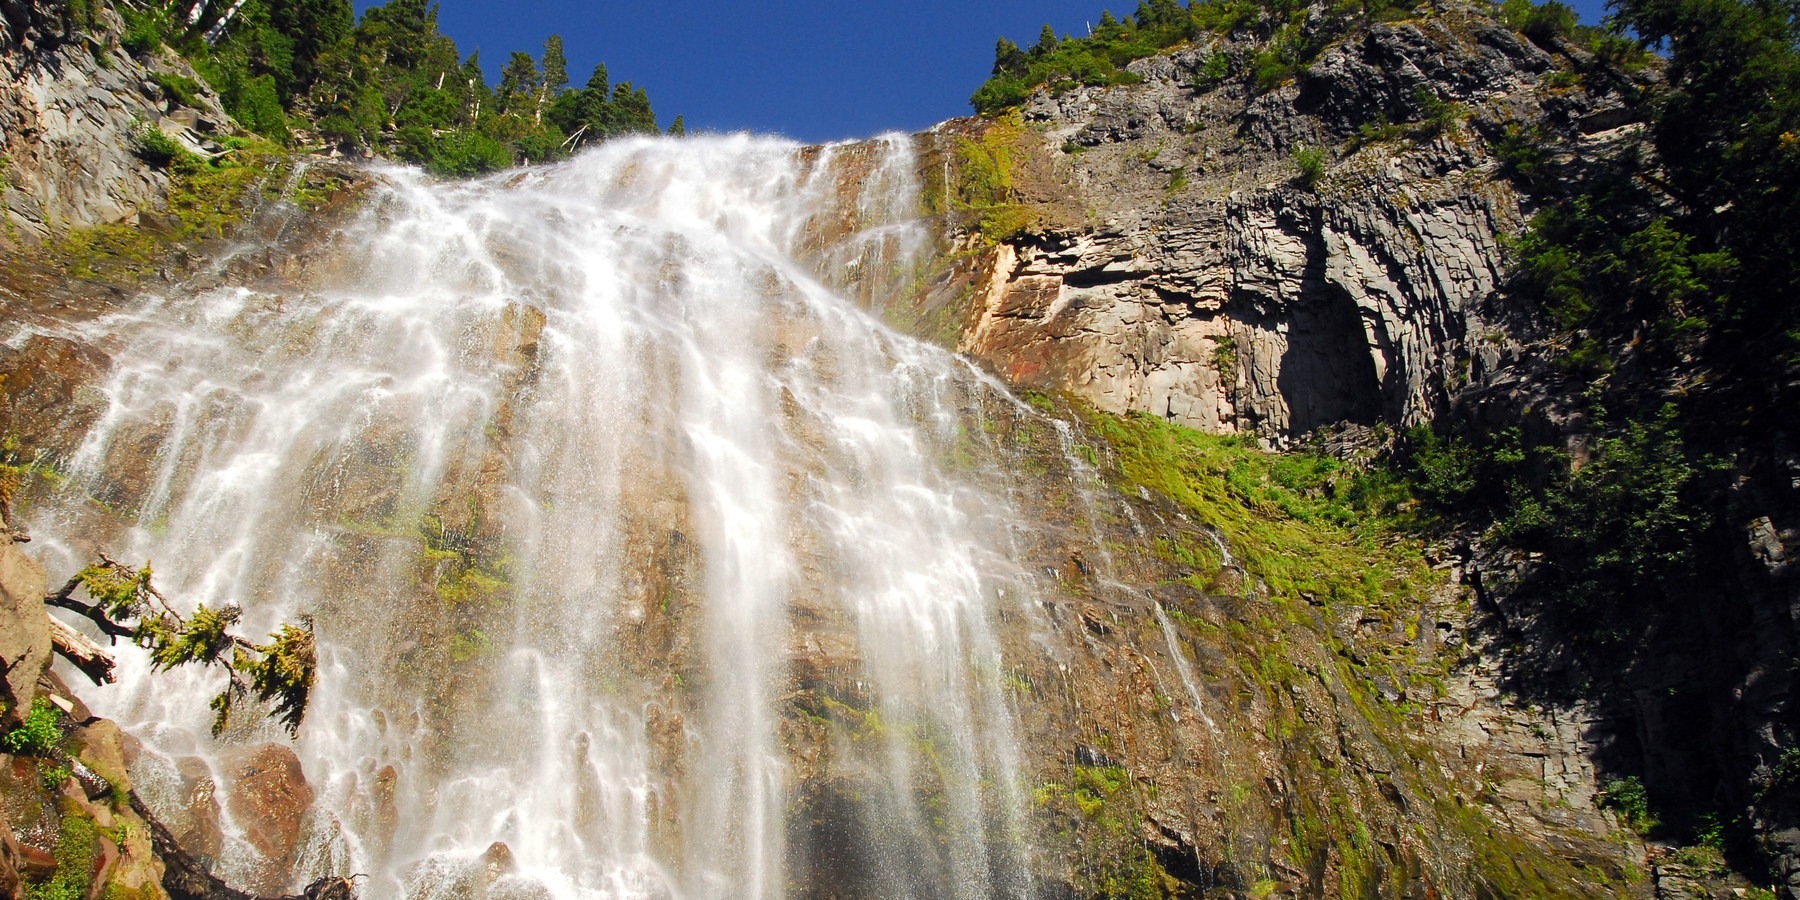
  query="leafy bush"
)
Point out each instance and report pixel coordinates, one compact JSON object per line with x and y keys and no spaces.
{"x":156,"y":147}
{"x":1444,"y":466}
{"x":1522,"y":156}
{"x":462,"y":153}
{"x":1540,"y":22}
{"x":1436,"y":115}
{"x":1214,"y":69}
{"x":180,"y":88}
{"x":142,"y":35}
{"x":1627,"y":797}
{"x":1269,"y":68}
{"x":38,"y":735}
{"x":1309,"y":166}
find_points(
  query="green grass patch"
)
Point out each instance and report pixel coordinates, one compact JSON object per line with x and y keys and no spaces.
{"x":206,"y":200}
{"x":1310,"y":526}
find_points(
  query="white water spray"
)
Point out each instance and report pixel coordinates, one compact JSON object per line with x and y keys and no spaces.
{"x":557,"y":461}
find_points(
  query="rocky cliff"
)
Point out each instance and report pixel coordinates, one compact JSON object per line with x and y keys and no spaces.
{"x":1334,"y":252}
{"x":1198,"y":713}
{"x":72,"y":104}
{"x":1182,"y":264}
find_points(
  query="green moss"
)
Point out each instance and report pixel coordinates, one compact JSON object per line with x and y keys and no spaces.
{"x":180,"y":88}
{"x":39,"y":734}
{"x":470,"y":644}
{"x":75,"y":847}
{"x":465,"y":585}
{"x":206,"y":200}
{"x":986,"y":166}
{"x":1101,"y":803}
{"x":1296,"y":521}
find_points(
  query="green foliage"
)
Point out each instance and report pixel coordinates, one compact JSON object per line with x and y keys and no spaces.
{"x":120,"y":591}
{"x":1291,"y":40}
{"x":1542,"y":23}
{"x":1214,"y":69}
{"x":157,"y":148}
{"x":1625,"y":522}
{"x":1225,"y":356}
{"x":1522,"y":156}
{"x":1309,"y":166}
{"x":202,"y":638}
{"x":76,"y":844}
{"x":280,"y":672}
{"x":1098,"y":59}
{"x":1591,"y":267}
{"x":1628,"y":797}
{"x":180,"y":88}
{"x":391,"y":83}
{"x":1269,"y":68}
{"x":1436,"y":115}
{"x":456,"y":153}
{"x":39,"y":734}
{"x":1445,"y":468}
{"x":1625,"y":525}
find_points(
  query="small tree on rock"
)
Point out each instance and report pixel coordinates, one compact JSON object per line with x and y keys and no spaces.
{"x":126,"y":605}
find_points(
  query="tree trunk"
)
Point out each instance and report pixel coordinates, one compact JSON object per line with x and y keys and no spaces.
{"x":84,"y":654}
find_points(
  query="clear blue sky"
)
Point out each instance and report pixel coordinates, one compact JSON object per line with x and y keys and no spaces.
{"x":808,"y":69}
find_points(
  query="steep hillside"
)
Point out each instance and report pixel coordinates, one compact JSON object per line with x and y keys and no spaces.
{"x":1174,"y":257}
{"x":1465,"y":222}
{"x":1404,"y":657}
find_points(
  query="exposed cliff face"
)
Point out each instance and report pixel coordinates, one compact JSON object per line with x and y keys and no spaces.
{"x":1209,"y":283}
{"x":71,"y":104}
{"x":1180,"y":265}
{"x":1183,"y":725}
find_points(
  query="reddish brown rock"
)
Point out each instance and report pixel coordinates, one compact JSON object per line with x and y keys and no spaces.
{"x":24,"y":628}
{"x":267,"y":794}
{"x":195,"y":823}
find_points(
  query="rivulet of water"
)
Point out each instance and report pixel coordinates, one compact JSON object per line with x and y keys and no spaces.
{"x":590,"y":477}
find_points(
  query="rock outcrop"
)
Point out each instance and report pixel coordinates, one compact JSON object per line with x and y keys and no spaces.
{"x":24,"y":627}
{"x":1212,"y":283}
{"x":72,"y":103}
{"x":65,"y":810}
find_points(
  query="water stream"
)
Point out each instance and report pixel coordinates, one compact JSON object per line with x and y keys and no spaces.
{"x":590,"y":477}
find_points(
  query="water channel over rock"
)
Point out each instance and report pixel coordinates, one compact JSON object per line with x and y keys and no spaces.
{"x":583,"y":475}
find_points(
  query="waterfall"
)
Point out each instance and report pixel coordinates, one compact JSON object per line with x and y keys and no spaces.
{"x":606,"y":489}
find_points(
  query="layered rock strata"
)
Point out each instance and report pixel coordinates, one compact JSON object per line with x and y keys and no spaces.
{"x":1211,"y":282}
{"x":72,"y":104}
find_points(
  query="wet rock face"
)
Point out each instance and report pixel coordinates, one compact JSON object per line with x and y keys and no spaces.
{"x":267,"y":795}
{"x":24,"y":628}
{"x":1211,"y":286}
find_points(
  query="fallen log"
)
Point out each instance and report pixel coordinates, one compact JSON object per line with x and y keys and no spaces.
{"x":84,"y":654}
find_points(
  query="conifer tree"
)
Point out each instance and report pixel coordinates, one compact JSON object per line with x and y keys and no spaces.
{"x":1009,"y":59}
{"x":518,"y":83}
{"x":556,"y":67}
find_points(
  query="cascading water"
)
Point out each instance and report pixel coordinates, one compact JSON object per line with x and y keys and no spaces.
{"x":589,"y":477}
